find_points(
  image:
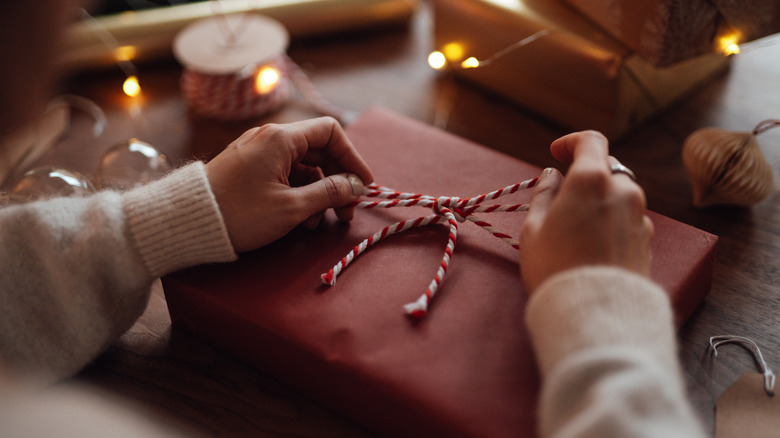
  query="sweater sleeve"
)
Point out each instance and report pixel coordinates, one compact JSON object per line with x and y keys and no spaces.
{"x":76,"y":272}
{"x":606,"y":348}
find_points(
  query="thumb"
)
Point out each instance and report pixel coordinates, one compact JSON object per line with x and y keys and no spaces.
{"x":543,"y":195}
{"x":333,"y":191}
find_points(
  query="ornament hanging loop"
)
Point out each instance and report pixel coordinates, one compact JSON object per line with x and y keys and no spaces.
{"x":769,"y":376}
{"x":766,"y":125}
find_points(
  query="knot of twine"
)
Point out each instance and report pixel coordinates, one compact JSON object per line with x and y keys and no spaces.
{"x":446,"y":210}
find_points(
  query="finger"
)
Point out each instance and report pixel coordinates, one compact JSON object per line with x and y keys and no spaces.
{"x":620,"y":171}
{"x":541,"y":200}
{"x":584,"y":145}
{"x":628,"y":186}
{"x":543,"y":195}
{"x":327,"y":145}
{"x":308,"y":175}
{"x":330,"y":192}
{"x":313,"y":221}
{"x":345,"y":213}
{"x":301,"y":175}
{"x":589,"y":173}
{"x":649,"y":233}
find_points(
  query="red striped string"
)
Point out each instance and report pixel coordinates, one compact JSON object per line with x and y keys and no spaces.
{"x":216,"y":85}
{"x":234,"y":97}
{"x":231,"y":97}
{"x":446,"y":210}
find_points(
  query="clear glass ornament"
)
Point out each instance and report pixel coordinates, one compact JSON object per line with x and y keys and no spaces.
{"x":50,"y":182}
{"x":130,"y":163}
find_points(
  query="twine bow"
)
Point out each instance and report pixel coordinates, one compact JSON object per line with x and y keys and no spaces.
{"x":446,"y":210}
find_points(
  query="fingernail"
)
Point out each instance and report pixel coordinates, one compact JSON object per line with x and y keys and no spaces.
{"x":546,"y":172}
{"x":357,"y":184}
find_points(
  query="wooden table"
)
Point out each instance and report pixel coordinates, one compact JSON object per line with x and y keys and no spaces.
{"x":202,"y":390}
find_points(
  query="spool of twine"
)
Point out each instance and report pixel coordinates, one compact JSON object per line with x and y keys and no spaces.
{"x":235,"y":67}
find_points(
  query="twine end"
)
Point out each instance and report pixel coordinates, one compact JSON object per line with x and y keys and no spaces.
{"x":328,"y":278}
{"x":417,"y":309}
{"x":417,"y":314}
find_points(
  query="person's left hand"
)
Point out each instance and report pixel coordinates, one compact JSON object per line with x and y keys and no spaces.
{"x":275,"y":177}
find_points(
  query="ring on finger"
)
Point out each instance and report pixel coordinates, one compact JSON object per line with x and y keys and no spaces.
{"x":620,"y":168}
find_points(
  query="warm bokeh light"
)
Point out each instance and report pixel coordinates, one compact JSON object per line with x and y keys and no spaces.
{"x":125,"y":53}
{"x":729,"y":44}
{"x":471,"y":62}
{"x":453,"y":51}
{"x":266,"y":80}
{"x":131,"y":87}
{"x":731,"y":49}
{"x":437,"y":60}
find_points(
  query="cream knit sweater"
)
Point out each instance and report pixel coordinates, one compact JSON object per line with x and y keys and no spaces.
{"x":605,"y":344}
{"x":604,"y":337}
{"x":76,"y":273}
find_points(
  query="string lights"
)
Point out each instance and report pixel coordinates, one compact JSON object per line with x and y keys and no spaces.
{"x":266,"y":80}
{"x":452,"y":54}
{"x":123,"y":55}
{"x":729,"y":44}
{"x":131,"y":87}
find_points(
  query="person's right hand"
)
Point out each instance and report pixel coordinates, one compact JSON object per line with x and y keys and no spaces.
{"x":590,"y":217}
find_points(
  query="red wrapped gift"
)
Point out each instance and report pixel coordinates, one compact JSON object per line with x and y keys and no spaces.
{"x":465,"y":370}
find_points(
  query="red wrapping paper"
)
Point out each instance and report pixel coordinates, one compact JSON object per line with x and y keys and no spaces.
{"x":465,"y":370}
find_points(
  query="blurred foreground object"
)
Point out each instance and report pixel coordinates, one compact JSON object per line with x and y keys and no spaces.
{"x":129,"y":163}
{"x":148,"y":34}
{"x":49,"y":182}
{"x":728,"y":168}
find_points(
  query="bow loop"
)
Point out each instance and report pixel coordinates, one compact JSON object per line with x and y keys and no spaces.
{"x":449,"y":210}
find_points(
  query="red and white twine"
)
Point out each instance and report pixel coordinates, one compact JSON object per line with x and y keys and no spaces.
{"x":233,"y":97}
{"x":446,"y":210}
{"x":236,"y":68}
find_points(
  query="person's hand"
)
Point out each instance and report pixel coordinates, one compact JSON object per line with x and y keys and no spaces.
{"x":590,"y":217}
{"x":275,"y":177}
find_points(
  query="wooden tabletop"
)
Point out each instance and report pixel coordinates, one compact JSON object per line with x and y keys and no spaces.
{"x":201,"y":390}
